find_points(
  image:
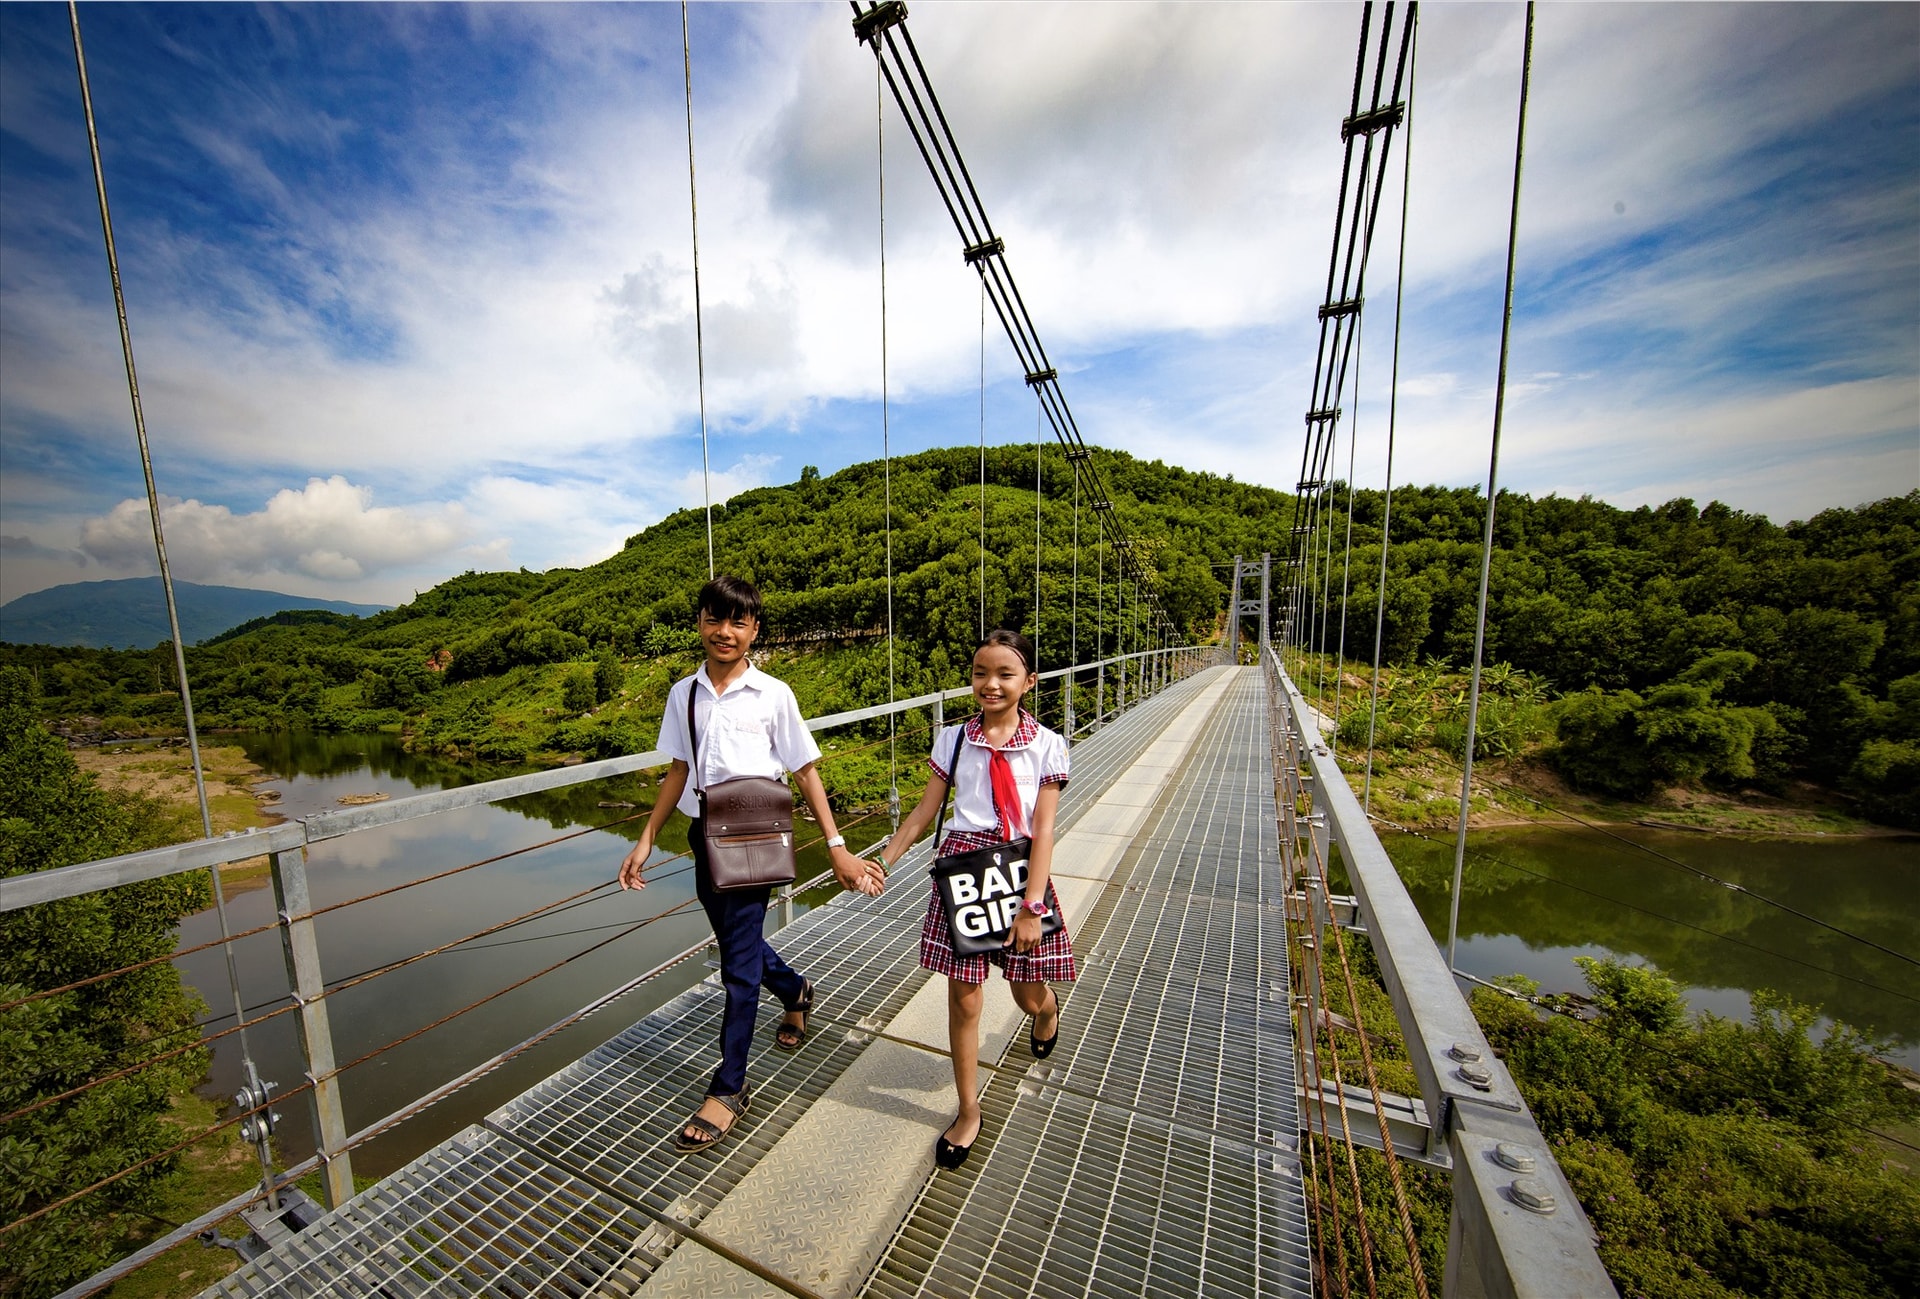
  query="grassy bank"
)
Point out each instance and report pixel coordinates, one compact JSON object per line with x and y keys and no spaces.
{"x":1418,"y":735}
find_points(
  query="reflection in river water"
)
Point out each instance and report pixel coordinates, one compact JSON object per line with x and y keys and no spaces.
{"x":1533,"y":899}
{"x":313,"y":773}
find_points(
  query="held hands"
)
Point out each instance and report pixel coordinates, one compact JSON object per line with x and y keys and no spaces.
{"x":860,"y":876}
{"x":636,"y":861}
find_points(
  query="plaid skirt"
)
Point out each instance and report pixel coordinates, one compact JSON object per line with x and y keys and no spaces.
{"x":1050,"y":962}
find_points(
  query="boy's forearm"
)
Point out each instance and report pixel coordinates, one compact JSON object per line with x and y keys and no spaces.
{"x":811,"y":789}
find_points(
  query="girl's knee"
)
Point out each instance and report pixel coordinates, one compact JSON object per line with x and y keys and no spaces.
{"x":1030,"y":997}
{"x":965,"y":997}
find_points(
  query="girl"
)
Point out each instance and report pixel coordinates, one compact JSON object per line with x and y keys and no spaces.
{"x":1007,"y":783}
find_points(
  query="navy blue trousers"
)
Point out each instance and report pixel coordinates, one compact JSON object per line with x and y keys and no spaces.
{"x":747,"y":963}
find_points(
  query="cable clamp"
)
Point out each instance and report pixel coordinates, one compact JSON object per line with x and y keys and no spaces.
{"x":1345,"y":307}
{"x":868,"y":24}
{"x":1103,"y":505}
{"x":1039,"y":377}
{"x":1079,"y":453}
{"x":979,"y":252}
{"x":1324,"y":415}
{"x":1372,"y":120}
{"x":1309,"y":484}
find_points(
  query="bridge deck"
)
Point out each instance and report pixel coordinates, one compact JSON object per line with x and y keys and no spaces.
{"x":1152,"y":1154}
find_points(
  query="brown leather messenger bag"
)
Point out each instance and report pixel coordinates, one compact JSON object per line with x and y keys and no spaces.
{"x":747,"y":822}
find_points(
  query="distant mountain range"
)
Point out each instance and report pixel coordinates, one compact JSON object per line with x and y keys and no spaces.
{"x":131,"y":613}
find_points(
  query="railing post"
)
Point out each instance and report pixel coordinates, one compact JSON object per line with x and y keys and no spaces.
{"x":1120,"y":695}
{"x":1100,"y":695}
{"x":295,"y":907}
{"x":1069,"y":714}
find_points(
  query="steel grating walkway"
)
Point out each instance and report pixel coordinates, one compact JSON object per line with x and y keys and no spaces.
{"x":1152,"y":1155}
{"x":1157,"y":1157}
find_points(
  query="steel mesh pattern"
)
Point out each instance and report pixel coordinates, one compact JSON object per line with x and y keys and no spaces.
{"x":1154,"y":1154}
{"x":561,"y":1190}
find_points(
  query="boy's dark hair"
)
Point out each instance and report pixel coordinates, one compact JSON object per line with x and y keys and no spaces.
{"x":727,"y":597}
{"x":1012,"y":640}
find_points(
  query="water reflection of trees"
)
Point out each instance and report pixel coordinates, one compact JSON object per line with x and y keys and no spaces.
{"x":1634,"y":905}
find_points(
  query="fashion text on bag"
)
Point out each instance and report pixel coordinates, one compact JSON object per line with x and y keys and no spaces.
{"x":981,"y":890}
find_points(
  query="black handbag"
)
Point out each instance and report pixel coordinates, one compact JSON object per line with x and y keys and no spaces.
{"x":747,"y":823}
{"x":981,"y":889}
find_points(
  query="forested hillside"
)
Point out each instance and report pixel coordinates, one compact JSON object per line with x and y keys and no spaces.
{"x":1689,"y":644}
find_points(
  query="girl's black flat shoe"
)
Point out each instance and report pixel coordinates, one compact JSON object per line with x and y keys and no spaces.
{"x":948,"y":1155}
{"x":1041,"y":1050}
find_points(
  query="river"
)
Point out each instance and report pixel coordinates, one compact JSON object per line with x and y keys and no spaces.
{"x":1534,"y":899}
{"x":312,"y":773}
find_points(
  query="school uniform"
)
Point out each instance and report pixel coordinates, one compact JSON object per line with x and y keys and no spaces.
{"x":754,"y":729}
{"x":1037,"y":757}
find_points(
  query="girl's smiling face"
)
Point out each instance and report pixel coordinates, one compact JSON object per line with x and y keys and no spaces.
{"x":1000,"y":679}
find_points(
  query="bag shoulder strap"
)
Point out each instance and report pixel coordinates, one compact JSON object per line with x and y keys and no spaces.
{"x":953,"y":773}
{"x":693,"y":736}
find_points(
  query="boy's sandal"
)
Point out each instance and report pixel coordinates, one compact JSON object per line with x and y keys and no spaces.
{"x":710,"y":1134}
{"x":1041,"y":1050}
{"x":791,"y":1037}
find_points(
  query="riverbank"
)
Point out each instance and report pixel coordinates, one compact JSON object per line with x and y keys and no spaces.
{"x":1422,"y":792}
{"x":163,"y":770}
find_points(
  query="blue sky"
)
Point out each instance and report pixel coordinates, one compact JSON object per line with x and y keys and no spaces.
{"x":410,"y":287}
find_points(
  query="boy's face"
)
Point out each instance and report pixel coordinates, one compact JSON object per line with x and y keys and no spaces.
{"x":727,"y":640}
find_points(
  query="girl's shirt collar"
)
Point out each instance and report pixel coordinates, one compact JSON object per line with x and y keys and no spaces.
{"x":1024,"y":734}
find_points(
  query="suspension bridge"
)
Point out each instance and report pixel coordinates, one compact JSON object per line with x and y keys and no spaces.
{"x":1196,"y":1132}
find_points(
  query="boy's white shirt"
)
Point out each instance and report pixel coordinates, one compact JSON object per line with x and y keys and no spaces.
{"x":754,"y":729}
{"x":1044,"y":755}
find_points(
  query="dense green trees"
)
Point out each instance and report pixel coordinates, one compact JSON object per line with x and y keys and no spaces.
{"x":1632,"y":612}
{"x":1718,"y":1159}
{"x":53,"y":815}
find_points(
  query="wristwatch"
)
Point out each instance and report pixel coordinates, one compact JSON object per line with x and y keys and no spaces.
{"x":1036,"y":907}
{"x":838,"y":841}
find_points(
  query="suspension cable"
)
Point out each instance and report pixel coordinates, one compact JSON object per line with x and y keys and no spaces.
{"x":1393,"y":408}
{"x":1493,"y":466}
{"x":886,"y":450}
{"x":159,"y":537}
{"x":699,"y":333}
{"x":983,"y":459}
{"x":1346,"y":559}
{"x":1039,"y":425}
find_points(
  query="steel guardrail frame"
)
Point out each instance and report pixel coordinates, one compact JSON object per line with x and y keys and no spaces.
{"x":1517,"y":1231}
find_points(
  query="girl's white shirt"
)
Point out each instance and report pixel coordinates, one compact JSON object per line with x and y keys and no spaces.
{"x":754,"y":729}
{"x":1037,"y":756}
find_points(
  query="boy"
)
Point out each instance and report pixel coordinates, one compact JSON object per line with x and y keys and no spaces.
{"x":748,"y":724}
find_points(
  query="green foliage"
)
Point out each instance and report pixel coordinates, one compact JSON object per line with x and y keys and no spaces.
{"x":576,"y":690}
{"x":1620,"y":743}
{"x":607,"y":675}
{"x":1718,"y":1159}
{"x":53,"y":815}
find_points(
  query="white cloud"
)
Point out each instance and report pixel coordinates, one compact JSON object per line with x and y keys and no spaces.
{"x":330,"y":532}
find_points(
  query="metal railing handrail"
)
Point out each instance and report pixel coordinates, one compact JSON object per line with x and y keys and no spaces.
{"x":1517,"y":1228}
{"x":155,"y":863}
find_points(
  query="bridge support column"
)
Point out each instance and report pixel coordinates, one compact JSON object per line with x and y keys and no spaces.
{"x":295,"y":905}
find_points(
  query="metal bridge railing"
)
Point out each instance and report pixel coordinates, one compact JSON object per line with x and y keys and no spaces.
{"x":1517,"y":1229}
{"x":1117,"y":683}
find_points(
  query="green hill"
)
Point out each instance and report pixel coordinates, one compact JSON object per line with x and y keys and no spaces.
{"x":1686,"y":643}
{"x":131,"y":613}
